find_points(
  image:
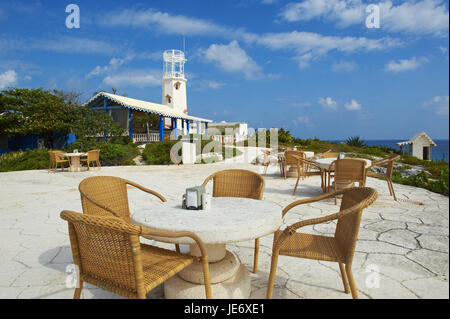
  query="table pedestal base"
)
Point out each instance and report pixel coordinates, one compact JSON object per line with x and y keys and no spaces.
{"x":229,"y":278}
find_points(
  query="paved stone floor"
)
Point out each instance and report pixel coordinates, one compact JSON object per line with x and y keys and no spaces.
{"x":402,"y":250}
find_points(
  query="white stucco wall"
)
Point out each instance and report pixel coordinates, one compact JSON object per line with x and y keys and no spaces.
{"x":418,"y":145}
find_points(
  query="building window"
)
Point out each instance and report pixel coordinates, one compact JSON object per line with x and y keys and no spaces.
{"x":169,"y":98}
{"x":177,"y":85}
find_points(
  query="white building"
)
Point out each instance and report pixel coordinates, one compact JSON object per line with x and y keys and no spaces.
{"x":419,"y":146}
{"x":237,"y":130}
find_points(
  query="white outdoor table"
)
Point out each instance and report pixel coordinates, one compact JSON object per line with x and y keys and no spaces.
{"x":325,"y":163}
{"x":229,"y":220}
{"x":74,"y":160}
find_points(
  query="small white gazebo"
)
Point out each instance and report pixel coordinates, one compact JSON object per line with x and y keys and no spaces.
{"x":419,"y":146}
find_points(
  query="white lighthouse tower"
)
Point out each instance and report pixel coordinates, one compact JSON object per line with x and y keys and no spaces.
{"x":174,"y":83}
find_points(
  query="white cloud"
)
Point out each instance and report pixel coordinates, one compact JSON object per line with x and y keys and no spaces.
{"x":231,"y":58}
{"x":301,"y":104}
{"x":443,"y":49}
{"x":353,"y":105}
{"x":161,"y":21}
{"x":343,"y":12}
{"x":343,"y":66}
{"x":269,"y":1}
{"x":328,"y":103}
{"x":403,"y":65}
{"x":74,"y":45}
{"x":114,"y":64}
{"x":303,"y":120}
{"x":7,"y":79}
{"x":310,"y":46}
{"x":133,"y":78}
{"x":439,"y":104}
{"x":419,"y":17}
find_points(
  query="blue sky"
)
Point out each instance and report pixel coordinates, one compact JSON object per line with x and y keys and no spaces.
{"x":310,"y":66}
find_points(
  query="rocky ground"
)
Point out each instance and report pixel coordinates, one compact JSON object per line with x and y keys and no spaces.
{"x":402,"y":250}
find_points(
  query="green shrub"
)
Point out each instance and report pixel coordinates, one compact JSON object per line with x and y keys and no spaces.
{"x":355,"y":141}
{"x":20,"y":161}
{"x":158,"y":153}
{"x":437,"y":184}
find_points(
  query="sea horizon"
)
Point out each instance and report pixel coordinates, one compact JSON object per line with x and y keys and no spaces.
{"x":439,"y":152}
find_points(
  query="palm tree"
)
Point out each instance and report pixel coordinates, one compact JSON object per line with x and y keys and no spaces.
{"x":355,"y":141}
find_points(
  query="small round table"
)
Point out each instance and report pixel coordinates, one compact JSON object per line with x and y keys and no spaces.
{"x":229,"y":220}
{"x":74,"y":160}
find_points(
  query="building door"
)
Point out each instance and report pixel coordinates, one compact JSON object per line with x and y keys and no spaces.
{"x":426,"y":153}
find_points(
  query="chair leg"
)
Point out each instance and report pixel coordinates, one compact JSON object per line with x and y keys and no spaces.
{"x":344,"y":278}
{"x":273,"y":270}
{"x":98,"y":165}
{"x":265,"y":169}
{"x":206,"y":277}
{"x":296,"y":184}
{"x":392,"y":188}
{"x":351,"y":281}
{"x":77,"y":293}
{"x":255,"y":257}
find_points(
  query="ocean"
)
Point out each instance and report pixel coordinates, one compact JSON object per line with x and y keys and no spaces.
{"x":440,"y":152}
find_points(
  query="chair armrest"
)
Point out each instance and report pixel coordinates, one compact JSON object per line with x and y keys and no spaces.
{"x":210,"y":177}
{"x":142,"y":188}
{"x":309,"y":200}
{"x":176,"y":234}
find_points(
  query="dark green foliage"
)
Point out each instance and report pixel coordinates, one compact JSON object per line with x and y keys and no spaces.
{"x":20,"y":161}
{"x":355,"y":141}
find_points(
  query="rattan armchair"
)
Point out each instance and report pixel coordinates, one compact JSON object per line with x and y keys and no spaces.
{"x":57,"y":157}
{"x":329,"y":154}
{"x":308,"y":168}
{"x":238,"y":183}
{"x":289,"y":160}
{"x":92,"y":157}
{"x":389,"y":164}
{"x":107,"y":195}
{"x":348,"y":171}
{"x":340,"y":248}
{"x":107,"y":253}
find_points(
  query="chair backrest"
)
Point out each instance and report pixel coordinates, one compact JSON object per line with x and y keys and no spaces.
{"x":390,"y":165}
{"x":54,"y":155}
{"x":106,"y":250}
{"x":93,"y":155}
{"x":237,"y":183}
{"x":289,"y":159}
{"x":347,"y":227}
{"x":99,"y":192}
{"x":328,"y":154}
{"x":349,"y":169}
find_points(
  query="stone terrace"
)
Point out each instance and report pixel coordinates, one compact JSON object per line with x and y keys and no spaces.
{"x":405,"y":241}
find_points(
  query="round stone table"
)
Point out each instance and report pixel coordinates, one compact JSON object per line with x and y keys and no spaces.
{"x":229,"y":220}
{"x":74,"y":159}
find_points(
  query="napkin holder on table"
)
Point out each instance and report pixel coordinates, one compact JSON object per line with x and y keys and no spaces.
{"x":194,"y":197}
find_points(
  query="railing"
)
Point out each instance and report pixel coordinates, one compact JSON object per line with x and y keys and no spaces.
{"x":223,"y":139}
{"x":144,"y":138}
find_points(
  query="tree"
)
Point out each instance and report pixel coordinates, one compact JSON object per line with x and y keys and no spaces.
{"x":52,"y":114}
{"x":355,"y":141}
{"x":35,"y":111}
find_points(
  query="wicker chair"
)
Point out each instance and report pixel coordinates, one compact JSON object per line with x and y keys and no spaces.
{"x":307,"y":171}
{"x":92,"y":157}
{"x":107,"y":195}
{"x":289,"y":160}
{"x":238,"y":183}
{"x":107,"y":253}
{"x":389,"y":164}
{"x":266,"y":160}
{"x":56,"y":158}
{"x":347,"y":171}
{"x":329,"y":154}
{"x":339,"y":248}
